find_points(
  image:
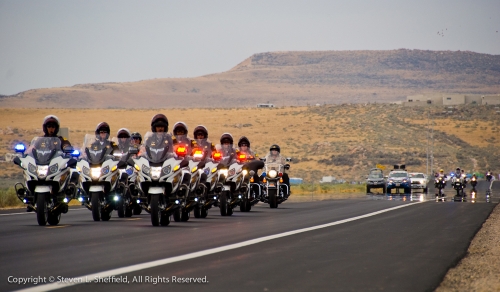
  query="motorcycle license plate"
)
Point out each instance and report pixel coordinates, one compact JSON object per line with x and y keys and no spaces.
{"x":272,"y":184}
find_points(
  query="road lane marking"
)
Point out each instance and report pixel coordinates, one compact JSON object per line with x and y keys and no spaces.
{"x":143,"y":266}
{"x":57,"y":226}
{"x":132,"y":219}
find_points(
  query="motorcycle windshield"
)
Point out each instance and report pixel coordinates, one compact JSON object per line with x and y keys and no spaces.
{"x":274,"y":159}
{"x":96,"y":150}
{"x":44,"y":149}
{"x":201,"y":150}
{"x":123,"y":144}
{"x":183,"y":139}
{"x":157,"y":147}
{"x":247,"y":151}
{"x":273,"y":166}
{"x":228,"y":153}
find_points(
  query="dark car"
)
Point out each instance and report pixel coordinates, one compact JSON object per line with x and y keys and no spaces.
{"x":375,"y":180}
{"x":399,"y":179}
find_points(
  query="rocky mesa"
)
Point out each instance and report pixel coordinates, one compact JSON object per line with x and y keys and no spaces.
{"x":289,"y":79}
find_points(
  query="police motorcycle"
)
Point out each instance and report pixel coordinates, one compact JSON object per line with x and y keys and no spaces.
{"x":196,"y":189}
{"x":274,"y":191}
{"x":473,"y":184}
{"x":236,"y":179}
{"x":439,"y":184}
{"x":162,"y":181}
{"x":101,"y":182}
{"x":47,"y":172}
{"x":214,"y":170}
{"x":458,"y":182}
{"x":253,"y":192}
{"x":127,"y":206}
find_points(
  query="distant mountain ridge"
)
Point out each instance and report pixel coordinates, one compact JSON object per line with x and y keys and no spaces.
{"x":290,"y":78}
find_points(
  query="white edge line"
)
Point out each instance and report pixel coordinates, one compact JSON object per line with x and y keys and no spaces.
{"x":147,"y":265}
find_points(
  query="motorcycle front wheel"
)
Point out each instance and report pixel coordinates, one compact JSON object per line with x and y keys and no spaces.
{"x":122,"y":207}
{"x":245,"y":205}
{"x":155,"y":210}
{"x":223,"y":205}
{"x":54,"y":218}
{"x":273,"y":198}
{"x":96,"y":205}
{"x":42,"y":211}
{"x":197,"y":212}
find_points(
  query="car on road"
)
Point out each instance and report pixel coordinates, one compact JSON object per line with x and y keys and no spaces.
{"x":418,"y":181}
{"x":398,"y":179}
{"x":375,"y":180}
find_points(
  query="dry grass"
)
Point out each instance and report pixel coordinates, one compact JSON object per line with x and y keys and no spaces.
{"x":341,"y":140}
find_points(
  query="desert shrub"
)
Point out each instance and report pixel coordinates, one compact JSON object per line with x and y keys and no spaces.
{"x":8,"y":198}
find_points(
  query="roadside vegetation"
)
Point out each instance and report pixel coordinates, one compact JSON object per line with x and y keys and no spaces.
{"x":343,"y":141}
{"x":8,"y":198}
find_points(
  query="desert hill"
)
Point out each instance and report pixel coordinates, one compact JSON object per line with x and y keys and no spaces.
{"x":289,"y":79}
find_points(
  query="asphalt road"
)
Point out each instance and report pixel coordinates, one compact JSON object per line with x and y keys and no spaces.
{"x":409,"y":246}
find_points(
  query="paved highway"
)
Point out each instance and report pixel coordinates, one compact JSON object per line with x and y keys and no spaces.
{"x":375,"y":242}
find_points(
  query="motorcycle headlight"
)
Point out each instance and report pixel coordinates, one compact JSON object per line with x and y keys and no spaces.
{"x":166,"y":169}
{"x":273,"y":173}
{"x":155,"y":172}
{"x":42,"y":170}
{"x":245,"y":172}
{"x":32,"y":168}
{"x":95,"y":172}
{"x":223,"y":172}
{"x":53,"y":168}
{"x":105,"y":170}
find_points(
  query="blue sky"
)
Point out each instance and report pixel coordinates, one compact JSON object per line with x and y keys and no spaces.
{"x":57,"y":43}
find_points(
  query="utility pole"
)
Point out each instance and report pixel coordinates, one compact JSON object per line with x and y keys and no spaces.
{"x":432,"y":144}
{"x":428,"y":137}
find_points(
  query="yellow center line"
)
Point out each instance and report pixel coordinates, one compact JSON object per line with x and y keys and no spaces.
{"x":58,"y":226}
{"x":134,"y":219}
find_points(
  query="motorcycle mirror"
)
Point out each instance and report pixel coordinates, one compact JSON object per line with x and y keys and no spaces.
{"x":121,"y":164}
{"x":287,"y":166}
{"x":71,"y":163}
{"x":68,"y":150}
{"x":133,"y":150}
{"x":130,"y":162}
{"x":17,"y":161}
{"x":184,"y":163}
{"x":289,"y":159}
{"x":263,"y":159}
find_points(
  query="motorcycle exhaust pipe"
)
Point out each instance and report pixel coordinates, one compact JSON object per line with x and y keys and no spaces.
{"x":191,"y":205}
{"x":171,"y":209}
{"x":61,"y":208}
{"x":185,"y":188}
